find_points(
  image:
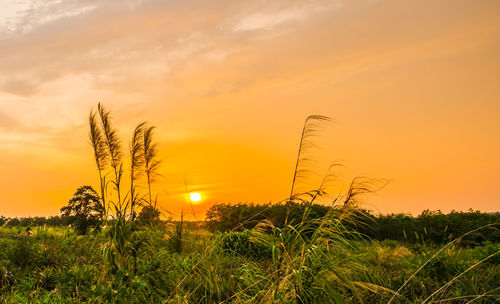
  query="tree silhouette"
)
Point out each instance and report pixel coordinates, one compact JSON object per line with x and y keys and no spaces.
{"x":149,"y":215}
{"x":84,"y":210}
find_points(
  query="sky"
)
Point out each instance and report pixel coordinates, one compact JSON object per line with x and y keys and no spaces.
{"x":412,"y":88}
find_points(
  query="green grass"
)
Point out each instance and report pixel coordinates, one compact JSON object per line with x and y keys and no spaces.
{"x":54,"y":265}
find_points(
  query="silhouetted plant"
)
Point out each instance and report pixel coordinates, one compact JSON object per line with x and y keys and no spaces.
{"x":307,"y":142}
{"x":101,"y":154}
{"x":149,"y":215}
{"x":176,"y":234}
{"x":151,"y":161}
{"x":84,"y":210}
{"x":113,"y":144}
{"x":136,"y":163}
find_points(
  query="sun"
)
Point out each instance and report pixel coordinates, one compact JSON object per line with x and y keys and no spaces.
{"x":195,"y":196}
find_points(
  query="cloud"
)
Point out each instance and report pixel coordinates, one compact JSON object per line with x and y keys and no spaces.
{"x":267,"y":20}
{"x":25,"y":16}
{"x":20,"y":87}
{"x":119,"y":44}
{"x":7,"y":122}
{"x":111,"y":41}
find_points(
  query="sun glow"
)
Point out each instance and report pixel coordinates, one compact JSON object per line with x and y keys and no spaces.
{"x":195,"y":197}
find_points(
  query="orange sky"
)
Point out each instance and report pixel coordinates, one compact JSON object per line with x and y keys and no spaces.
{"x":413,"y":87}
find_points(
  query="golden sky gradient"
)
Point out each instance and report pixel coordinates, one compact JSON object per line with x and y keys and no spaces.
{"x":413,"y":87}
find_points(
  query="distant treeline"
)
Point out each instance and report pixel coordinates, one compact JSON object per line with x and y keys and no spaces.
{"x":33,"y":221}
{"x":61,"y":221}
{"x":429,"y":226}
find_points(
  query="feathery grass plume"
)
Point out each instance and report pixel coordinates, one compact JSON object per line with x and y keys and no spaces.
{"x":327,"y":178}
{"x":361,"y":186}
{"x":113,"y":145}
{"x":308,"y":256}
{"x":151,"y":161}
{"x":309,"y":260}
{"x":304,"y":155}
{"x":136,"y":162}
{"x":100,"y":153}
{"x":307,"y":142}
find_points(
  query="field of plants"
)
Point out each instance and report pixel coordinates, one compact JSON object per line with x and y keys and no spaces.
{"x":308,"y":262}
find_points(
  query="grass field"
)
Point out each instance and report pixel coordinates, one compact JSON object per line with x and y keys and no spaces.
{"x":54,"y":265}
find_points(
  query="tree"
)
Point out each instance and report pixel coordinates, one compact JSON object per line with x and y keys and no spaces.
{"x":149,"y":215}
{"x":84,"y":210}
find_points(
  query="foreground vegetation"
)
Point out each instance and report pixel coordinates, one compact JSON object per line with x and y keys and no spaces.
{"x":55,"y":265}
{"x":428,"y":227}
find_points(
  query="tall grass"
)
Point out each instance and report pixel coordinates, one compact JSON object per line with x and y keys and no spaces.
{"x":136,"y":163}
{"x":100,"y":154}
{"x":398,"y":293}
{"x":121,"y":251}
{"x":309,"y":135}
{"x":151,"y":161}
{"x":312,"y":260}
{"x":114,"y":150}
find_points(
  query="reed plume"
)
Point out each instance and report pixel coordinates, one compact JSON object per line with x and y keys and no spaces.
{"x":113,"y":144}
{"x":361,"y":186}
{"x":136,"y":162}
{"x":151,"y":161}
{"x":307,"y":142}
{"x":100,"y":153}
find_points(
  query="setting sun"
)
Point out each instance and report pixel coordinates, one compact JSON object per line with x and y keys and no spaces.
{"x":195,"y":197}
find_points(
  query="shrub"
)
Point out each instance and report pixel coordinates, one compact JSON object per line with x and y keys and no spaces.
{"x":26,"y":254}
{"x":149,"y":216}
{"x":242,"y":244}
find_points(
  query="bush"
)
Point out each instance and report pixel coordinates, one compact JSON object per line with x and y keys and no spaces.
{"x":242,"y":244}
{"x":26,"y":254}
{"x":149,"y":216}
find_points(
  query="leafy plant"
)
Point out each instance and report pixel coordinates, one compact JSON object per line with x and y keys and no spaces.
{"x":245,"y":243}
{"x":84,"y":210}
{"x":149,"y":216}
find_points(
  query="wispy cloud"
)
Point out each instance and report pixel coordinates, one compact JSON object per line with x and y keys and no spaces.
{"x":19,"y":86}
{"x":267,"y":19}
{"x":24,"y":16}
{"x":7,"y":122}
